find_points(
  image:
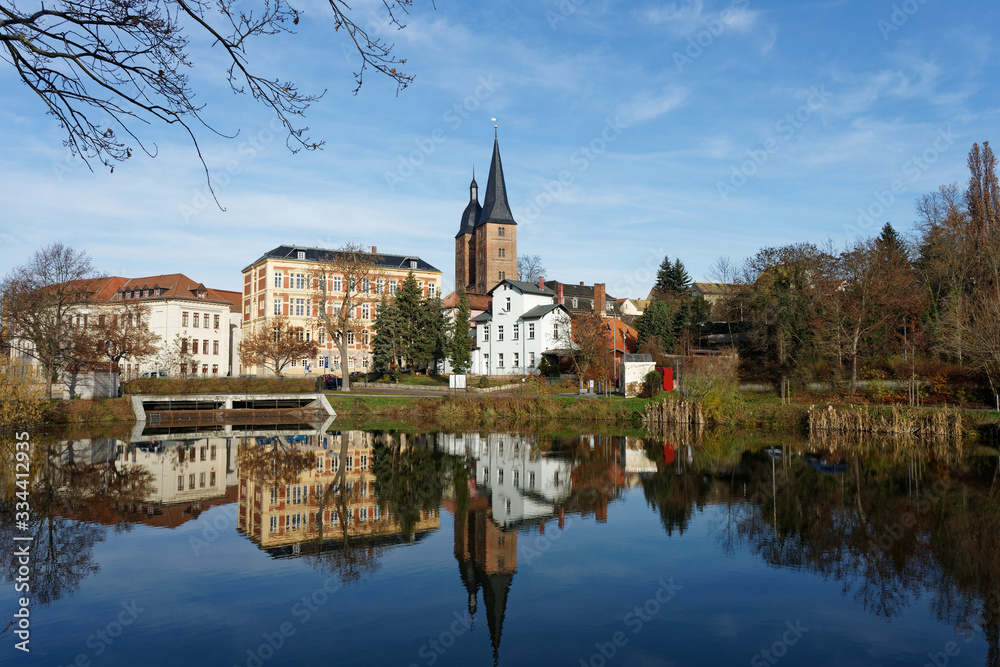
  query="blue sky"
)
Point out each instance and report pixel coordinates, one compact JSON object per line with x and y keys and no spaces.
{"x":628,"y":130}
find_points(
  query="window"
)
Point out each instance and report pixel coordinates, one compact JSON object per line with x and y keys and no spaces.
{"x":277,"y":306}
{"x":517,"y":359}
{"x":531,"y":480}
{"x":204,"y":346}
{"x":215,"y":369}
{"x":349,"y":463}
{"x":184,"y":367}
{"x":301,"y":254}
{"x":501,"y":275}
{"x":486,"y":475}
{"x":517,"y":332}
{"x":555,"y":331}
{"x":392,"y":287}
{"x":507,"y":505}
{"x":211,"y":478}
{"x":501,"y":231}
{"x":430,"y":290}
{"x":204,"y":369}
{"x":180,"y":482}
{"x":364,"y":362}
{"x":195,"y":320}
{"x":350,"y":362}
{"x":501,"y":252}
{"x":363,"y":515}
{"x":531,"y":331}
{"x":366,"y":286}
{"x":213,"y":452}
{"x":364,"y":461}
{"x":532,"y":359}
{"x":500,"y":476}
{"x":274,"y":495}
{"x":486,"y":363}
{"x":500,"y":360}
{"x":274,"y":524}
{"x":365,"y":312}
{"x":300,"y":307}
{"x":194,"y":345}
{"x":216,"y":321}
{"x":517,"y":479}
{"x":574,"y":302}
{"x":499,"y":332}
{"x":277,"y":279}
{"x":486,"y":332}
{"x":205,"y":321}
{"x":201,"y":480}
{"x":507,"y":306}
{"x":337,"y":284}
{"x":296,"y":495}
{"x":215,"y":347}
{"x":184,"y":319}
{"x":377,"y":512}
{"x":413,"y":263}
{"x":335,"y":463}
{"x":204,"y":453}
{"x":379,"y":286}
{"x":296,"y":521}
{"x":300,"y":280}
{"x":191,"y":481}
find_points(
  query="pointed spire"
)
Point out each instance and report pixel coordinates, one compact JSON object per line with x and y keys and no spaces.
{"x":495,"y":206}
{"x":473,"y":210}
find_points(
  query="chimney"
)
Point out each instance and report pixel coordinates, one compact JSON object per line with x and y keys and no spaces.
{"x":599,"y":300}
{"x":541,"y":282}
{"x":581,"y":283}
{"x":374,"y":250}
{"x":561,"y":300}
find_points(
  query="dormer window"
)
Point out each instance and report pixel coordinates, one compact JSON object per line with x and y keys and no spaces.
{"x":301,"y":254}
{"x":202,"y":294}
{"x":413,"y":263}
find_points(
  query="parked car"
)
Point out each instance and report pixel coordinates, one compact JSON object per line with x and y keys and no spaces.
{"x":332,"y":382}
{"x":159,"y":373}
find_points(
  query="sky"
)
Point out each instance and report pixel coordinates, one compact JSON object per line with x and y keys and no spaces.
{"x":629,"y":131}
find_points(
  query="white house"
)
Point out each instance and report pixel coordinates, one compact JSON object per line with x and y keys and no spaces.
{"x":525,"y":325}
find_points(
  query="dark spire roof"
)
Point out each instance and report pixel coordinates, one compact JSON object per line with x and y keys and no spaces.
{"x":472,"y":211}
{"x":495,"y":206}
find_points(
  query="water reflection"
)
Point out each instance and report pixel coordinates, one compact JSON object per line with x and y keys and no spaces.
{"x":889,"y":528}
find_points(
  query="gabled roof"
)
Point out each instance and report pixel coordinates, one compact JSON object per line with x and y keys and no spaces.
{"x":541,"y":311}
{"x":290,"y":253}
{"x":476,"y":301}
{"x":482,"y":317}
{"x":525,"y":288}
{"x":175,"y":286}
{"x":495,"y":206}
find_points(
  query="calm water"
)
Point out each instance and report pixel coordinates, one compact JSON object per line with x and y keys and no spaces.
{"x":292,"y":548}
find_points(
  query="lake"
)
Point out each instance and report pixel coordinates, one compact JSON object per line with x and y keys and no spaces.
{"x":262,"y":546}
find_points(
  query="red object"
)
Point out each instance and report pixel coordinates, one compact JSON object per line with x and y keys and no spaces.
{"x":668,"y":452}
{"x":668,"y":378}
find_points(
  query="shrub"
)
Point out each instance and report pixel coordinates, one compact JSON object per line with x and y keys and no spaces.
{"x":652,"y":384}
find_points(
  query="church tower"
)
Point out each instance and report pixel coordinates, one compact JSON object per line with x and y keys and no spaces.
{"x":495,"y":232}
{"x":465,"y":242}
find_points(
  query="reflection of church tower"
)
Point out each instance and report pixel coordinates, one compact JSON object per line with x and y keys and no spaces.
{"x":487,"y":559}
{"x":486,"y":243}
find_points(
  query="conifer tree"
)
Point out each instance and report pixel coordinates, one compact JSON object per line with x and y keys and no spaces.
{"x":460,"y":345}
{"x":407,"y":303}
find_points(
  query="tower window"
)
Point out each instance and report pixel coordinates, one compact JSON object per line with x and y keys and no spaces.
{"x":501,"y":252}
{"x":500,"y":232}
{"x":501,"y":275}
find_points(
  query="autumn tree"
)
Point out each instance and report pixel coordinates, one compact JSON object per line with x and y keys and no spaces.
{"x":122,"y":331}
{"x":40,"y":301}
{"x":275,"y":343}
{"x":983,"y":205}
{"x":343,"y":281}
{"x":592,"y":353}
{"x":176,"y":356}
{"x":104,"y":68}
{"x":981,"y":331}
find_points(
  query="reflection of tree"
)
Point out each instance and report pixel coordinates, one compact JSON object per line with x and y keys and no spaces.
{"x":408,"y":481}
{"x":674,"y":496}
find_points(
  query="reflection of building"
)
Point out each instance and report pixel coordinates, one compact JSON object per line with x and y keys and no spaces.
{"x":286,"y":514}
{"x":524,"y":486}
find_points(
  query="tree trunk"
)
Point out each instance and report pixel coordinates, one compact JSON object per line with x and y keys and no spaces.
{"x":345,"y":374}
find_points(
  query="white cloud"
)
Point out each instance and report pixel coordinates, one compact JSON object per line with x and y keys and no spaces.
{"x":649,"y":106}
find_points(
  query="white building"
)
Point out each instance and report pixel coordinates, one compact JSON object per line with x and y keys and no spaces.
{"x":525,"y":325}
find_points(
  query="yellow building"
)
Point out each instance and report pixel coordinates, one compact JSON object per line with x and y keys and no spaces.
{"x":284,"y":514}
{"x":280,"y":283}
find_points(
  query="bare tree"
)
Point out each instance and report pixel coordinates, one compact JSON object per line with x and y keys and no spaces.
{"x":530,"y":268}
{"x":40,"y":301}
{"x":592,"y":353}
{"x":274,"y":343}
{"x":176,"y":356}
{"x":104,"y":67}
{"x":981,"y":330}
{"x":345,"y":280}
{"x":122,"y":332}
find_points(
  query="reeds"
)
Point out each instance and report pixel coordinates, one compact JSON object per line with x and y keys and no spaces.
{"x":660,"y":414}
{"x":889,"y":421}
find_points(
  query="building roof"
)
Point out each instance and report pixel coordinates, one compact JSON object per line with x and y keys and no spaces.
{"x":476,"y":301}
{"x":713,"y":289}
{"x":235,"y":299}
{"x":482,"y":317}
{"x":472,"y":212}
{"x":540,"y":311}
{"x":290,"y":253}
{"x":495,"y":206}
{"x":176,"y":286}
{"x":525,"y":288}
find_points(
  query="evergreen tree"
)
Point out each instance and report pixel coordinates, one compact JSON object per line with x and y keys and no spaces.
{"x":407,"y":303}
{"x":672,"y":278}
{"x":659,"y":322}
{"x":431,"y":341}
{"x":384,"y":344}
{"x":460,"y":345}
